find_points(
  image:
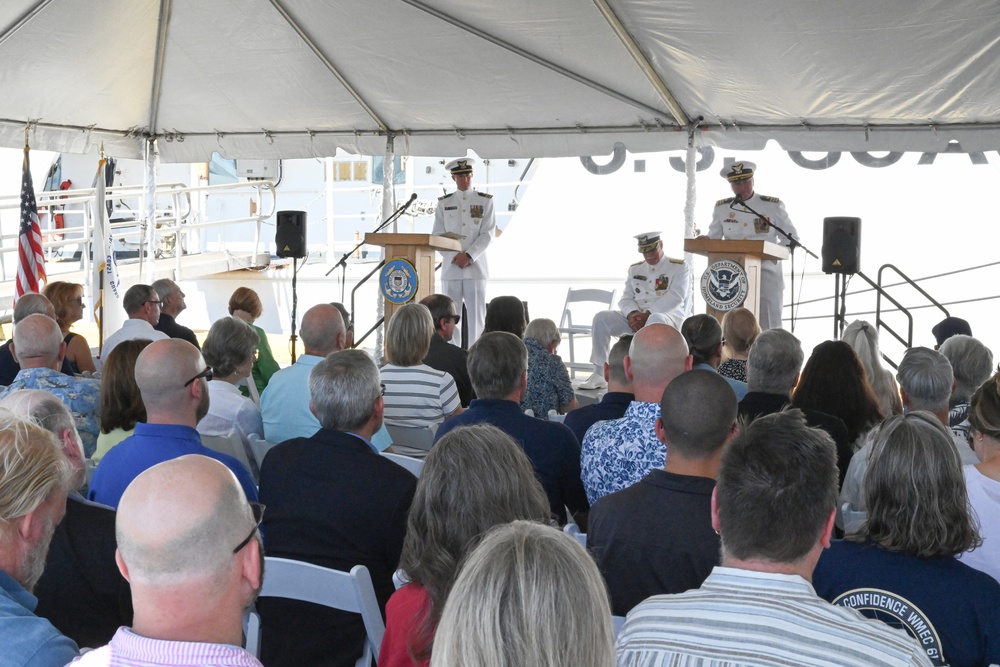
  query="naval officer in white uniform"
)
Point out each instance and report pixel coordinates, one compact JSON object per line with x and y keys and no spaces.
{"x":468,"y":215}
{"x":657,"y":290}
{"x":734,"y":221}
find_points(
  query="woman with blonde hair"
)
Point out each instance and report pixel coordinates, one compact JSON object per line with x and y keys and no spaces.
{"x":528,"y":595}
{"x":67,"y":300}
{"x":739,"y":330}
{"x":863,"y":339}
{"x":246,"y":305}
{"x":475,"y":478}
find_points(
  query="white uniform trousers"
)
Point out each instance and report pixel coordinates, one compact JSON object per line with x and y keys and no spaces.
{"x":772,"y":290}
{"x":608,"y":323}
{"x":473,"y":294}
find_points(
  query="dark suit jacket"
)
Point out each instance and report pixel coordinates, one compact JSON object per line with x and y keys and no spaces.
{"x":81,"y":591}
{"x":451,"y":359}
{"x":331,"y":500}
{"x":169,"y":326}
{"x":757,"y":404}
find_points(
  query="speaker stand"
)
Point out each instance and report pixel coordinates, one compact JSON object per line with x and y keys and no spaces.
{"x":295,"y":303}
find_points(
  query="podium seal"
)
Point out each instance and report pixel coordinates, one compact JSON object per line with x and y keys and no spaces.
{"x":724,"y":285}
{"x":398,"y":281}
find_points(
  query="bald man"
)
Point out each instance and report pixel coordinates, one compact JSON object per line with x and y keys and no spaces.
{"x":39,"y":349}
{"x":172,"y":379}
{"x":81,"y":591}
{"x":188,"y":543}
{"x":29,"y":304}
{"x":284,"y":405}
{"x":617,"y":454}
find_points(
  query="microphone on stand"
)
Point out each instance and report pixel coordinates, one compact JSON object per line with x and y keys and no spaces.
{"x":409,"y":201}
{"x":738,"y":199}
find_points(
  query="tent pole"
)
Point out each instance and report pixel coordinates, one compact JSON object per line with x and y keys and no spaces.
{"x":388,"y":207}
{"x":147,"y":243}
{"x":690,"y":171}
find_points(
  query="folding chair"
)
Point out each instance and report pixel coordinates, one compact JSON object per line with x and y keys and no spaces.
{"x":410,"y":441}
{"x":603,"y":298}
{"x":573,"y":531}
{"x":415,"y":466}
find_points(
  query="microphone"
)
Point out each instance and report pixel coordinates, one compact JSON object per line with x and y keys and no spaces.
{"x":409,"y":201}
{"x":738,"y":199}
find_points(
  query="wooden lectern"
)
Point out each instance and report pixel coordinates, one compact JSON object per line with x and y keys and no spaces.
{"x":418,"y":250}
{"x":747,"y":254}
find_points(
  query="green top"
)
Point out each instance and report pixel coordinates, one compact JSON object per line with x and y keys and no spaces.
{"x":265,"y":366}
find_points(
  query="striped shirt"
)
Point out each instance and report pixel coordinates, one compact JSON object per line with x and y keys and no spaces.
{"x":128,"y":649}
{"x":757,"y":619}
{"x":418,"y":396}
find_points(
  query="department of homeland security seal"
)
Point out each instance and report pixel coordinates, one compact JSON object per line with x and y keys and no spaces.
{"x":724,"y":285}
{"x":398,"y":281}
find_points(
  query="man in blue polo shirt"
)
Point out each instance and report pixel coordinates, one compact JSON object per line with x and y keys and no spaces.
{"x":172,"y":379}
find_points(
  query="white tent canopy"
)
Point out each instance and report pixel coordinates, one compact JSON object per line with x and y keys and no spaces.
{"x":300,"y":78}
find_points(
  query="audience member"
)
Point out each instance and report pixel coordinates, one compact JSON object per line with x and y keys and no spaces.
{"x":451,"y":359}
{"x":34,"y":480}
{"x":983,"y":481}
{"x":416,"y":395}
{"x":773,"y":507}
{"x":121,"y":403}
{"x":506,"y":313}
{"x":245,"y":305}
{"x":948,"y":327}
{"x":549,"y":387}
{"x":739,"y":330}
{"x":333,"y":501}
{"x":29,"y":304}
{"x":142,"y":305}
{"x":656,"y":536}
{"x":348,"y":324}
{"x":617,"y":454}
{"x":498,"y":364}
{"x":527,"y":595}
{"x":703,"y":334}
{"x":863,"y":339}
{"x":188,"y":544}
{"x":172,"y":304}
{"x":80,"y":591}
{"x":229,"y":351}
{"x":67,"y":301}
{"x":172,"y":380}
{"x":615,"y":402}
{"x":972,"y":364}
{"x":475,"y":478}
{"x":833,"y":381}
{"x":39,"y":349}
{"x":900,"y":566}
{"x":773,"y":367}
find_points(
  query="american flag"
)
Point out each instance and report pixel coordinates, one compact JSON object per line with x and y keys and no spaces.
{"x":30,"y":258}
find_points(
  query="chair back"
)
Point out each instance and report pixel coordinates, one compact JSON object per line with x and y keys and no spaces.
{"x":573,"y":531}
{"x":413,"y":442}
{"x":598,"y":299}
{"x":232,"y":445}
{"x":259,"y":447}
{"x":416,"y":466}
{"x":347,"y":591}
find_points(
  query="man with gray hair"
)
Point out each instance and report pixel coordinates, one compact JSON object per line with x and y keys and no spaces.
{"x":29,"y":304}
{"x":81,"y":591}
{"x":334,"y":501}
{"x":34,"y":480}
{"x":189,"y":545}
{"x":39,"y":348}
{"x":773,"y":507}
{"x":972,"y":364}
{"x":926,"y":382}
{"x":773,"y":366}
{"x":498,"y":365}
{"x":142,"y":305}
{"x":173,"y":381}
{"x":615,"y":402}
{"x":619,"y":453}
{"x":173,"y":304}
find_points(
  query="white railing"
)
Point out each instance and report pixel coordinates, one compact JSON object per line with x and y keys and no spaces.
{"x":174,"y":220}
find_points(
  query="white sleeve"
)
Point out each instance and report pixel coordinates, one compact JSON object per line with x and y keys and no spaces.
{"x":486,"y":232}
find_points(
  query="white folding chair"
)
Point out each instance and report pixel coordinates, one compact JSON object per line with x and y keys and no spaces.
{"x":415,"y":466}
{"x":347,"y":591}
{"x":233,"y":445}
{"x":573,"y":531}
{"x":603,"y":299}
{"x":409,"y":441}
{"x":259,"y":447}
{"x":618,"y":622}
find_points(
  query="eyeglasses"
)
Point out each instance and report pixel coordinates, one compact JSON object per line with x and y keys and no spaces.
{"x":382,"y":391}
{"x":455,"y":318}
{"x":207,"y":374}
{"x":258,"y":516}
{"x":158,"y":303}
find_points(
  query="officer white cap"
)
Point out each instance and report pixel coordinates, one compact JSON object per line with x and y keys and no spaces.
{"x":738,"y":171}
{"x":648,"y":240}
{"x":460,"y":166}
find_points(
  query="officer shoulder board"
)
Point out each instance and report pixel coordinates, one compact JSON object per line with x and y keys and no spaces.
{"x":727,"y":200}
{"x":641,"y":261}
{"x":675,"y":261}
{"x":446,"y":196}
{"x":773,"y":200}
{"x":483,"y":194}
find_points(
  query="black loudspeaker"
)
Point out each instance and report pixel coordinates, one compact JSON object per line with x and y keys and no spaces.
{"x":290,"y":234}
{"x":841,"y":245}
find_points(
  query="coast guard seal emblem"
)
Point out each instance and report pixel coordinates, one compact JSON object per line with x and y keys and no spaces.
{"x":724,"y":285}
{"x":398,"y":281}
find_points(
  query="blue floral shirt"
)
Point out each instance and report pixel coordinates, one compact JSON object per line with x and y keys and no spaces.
{"x":549,"y":385}
{"x":618,"y":453}
{"x":81,"y":395}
